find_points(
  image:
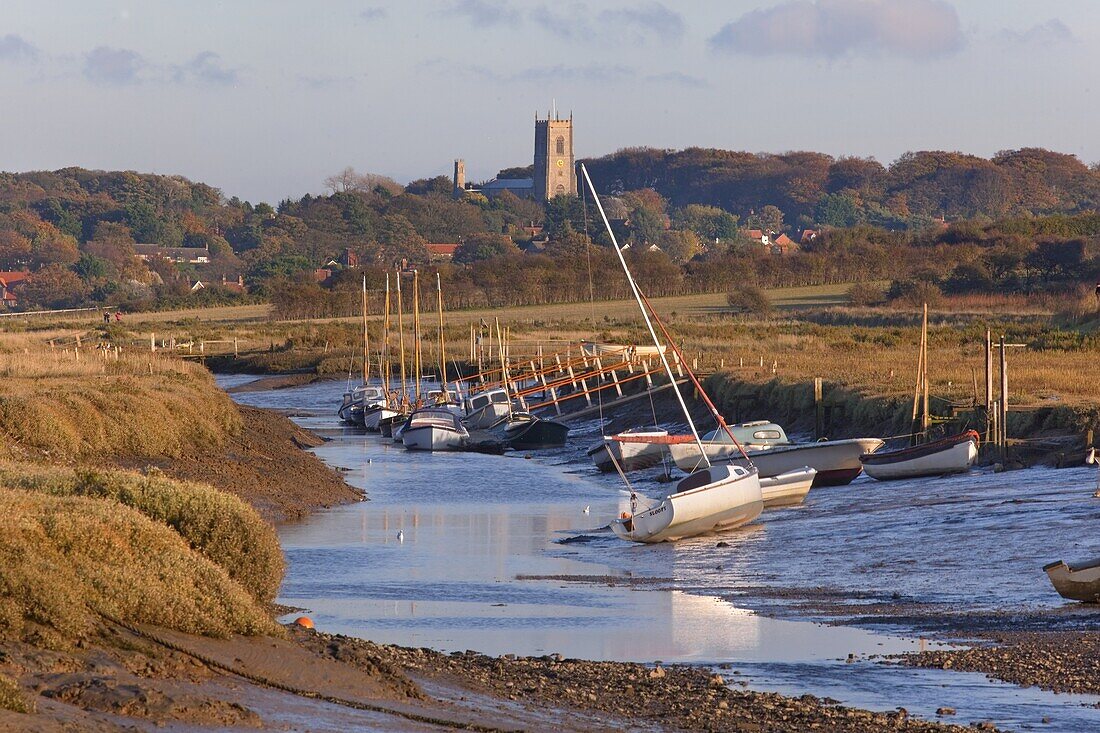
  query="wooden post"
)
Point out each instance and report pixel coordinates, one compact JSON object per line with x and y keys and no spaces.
{"x":152,"y":342}
{"x":615,"y":379}
{"x":988,"y":386}
{"x":1004,"y":398}
{"x":236,"y":351}
{"x":819,"y":409}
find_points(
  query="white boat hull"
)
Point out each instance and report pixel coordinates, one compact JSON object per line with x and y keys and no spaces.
{"x":630,"y":456}
{"x":372,"y":416}
{"x":1081,"y":583}
{"x":487,"y":416}
{"x":836,"y":461}
{"x":787,"y":489}
{"x":433,"y":438}
{"x":956,"y":459}
{"x":723,"y":505}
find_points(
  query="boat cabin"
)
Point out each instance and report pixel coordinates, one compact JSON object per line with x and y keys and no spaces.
{"x":760,"y":433}
{"x":484,"y":399}
{"x":433,"y":417}
{"x":712,"y":475}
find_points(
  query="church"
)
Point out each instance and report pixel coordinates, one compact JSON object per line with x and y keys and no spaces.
{"x":554,"y":166}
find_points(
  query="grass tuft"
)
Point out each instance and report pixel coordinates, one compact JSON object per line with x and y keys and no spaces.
{"x":12,"y":697}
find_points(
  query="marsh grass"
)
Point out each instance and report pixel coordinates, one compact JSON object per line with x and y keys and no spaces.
{"x":12,"y":697}
{"x":219,"y":526}
{"x":65,"y":560}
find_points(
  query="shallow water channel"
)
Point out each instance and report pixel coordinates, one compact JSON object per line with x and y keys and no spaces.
{"x":497,"y":554}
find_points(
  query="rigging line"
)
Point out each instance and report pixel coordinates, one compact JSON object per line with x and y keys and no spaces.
{"x":645,"y":316}
{"x":592,"y":300}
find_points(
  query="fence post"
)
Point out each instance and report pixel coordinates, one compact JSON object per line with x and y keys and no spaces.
{"x":819,"y":409}
{"x":152,"y":341}
{"x":236,"y":353}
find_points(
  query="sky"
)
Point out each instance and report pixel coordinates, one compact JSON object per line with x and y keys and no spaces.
{"x":265,"y":98}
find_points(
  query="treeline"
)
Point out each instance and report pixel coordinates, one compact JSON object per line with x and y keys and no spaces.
{"x":813,"y":188}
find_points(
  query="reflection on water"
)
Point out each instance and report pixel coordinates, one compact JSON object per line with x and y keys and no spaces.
{"x":472,"y":525}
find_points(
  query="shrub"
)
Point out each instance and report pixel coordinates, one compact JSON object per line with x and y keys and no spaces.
{"x":65,"y":561}
{"x":749,"y":299}
{"x":915,"y":293}
{"x":865,"y":294}
{"x":12,"y":697}
{"x":218,"y":525}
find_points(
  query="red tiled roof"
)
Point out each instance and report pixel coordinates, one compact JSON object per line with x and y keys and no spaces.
{"x":11,"y":278}
{"x":446,"y":250}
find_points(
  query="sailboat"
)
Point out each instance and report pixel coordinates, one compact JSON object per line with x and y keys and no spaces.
{"x":952,"y":454}
{"x":713,"y":498}
{"x":357,"y":402}
{"x":384,"y":408}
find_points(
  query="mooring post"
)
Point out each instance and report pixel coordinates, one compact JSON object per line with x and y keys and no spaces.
{"x":819,"y":410}
{"x":1004,"y":398}
{"x":152,"y":342}
{"x":988,"y":385}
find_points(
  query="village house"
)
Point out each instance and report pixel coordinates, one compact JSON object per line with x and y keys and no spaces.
{"x":178,"y":255}
{"x":441,"y":252}
{"x":8,"y":281}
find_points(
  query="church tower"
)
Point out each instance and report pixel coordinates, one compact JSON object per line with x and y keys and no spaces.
{"x":555,"y":172}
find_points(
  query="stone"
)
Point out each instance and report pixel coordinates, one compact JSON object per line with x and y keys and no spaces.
{"x":657,"y":672}
{"x":945,"y":711}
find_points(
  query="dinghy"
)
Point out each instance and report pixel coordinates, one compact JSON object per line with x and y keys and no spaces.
{"x":787,"y":489}
{"x":1076,"y":582}
{"x":954,"y":454}
{"x":836,"y":461}
{"x":715,"y":498}
{"x":434,"y":429}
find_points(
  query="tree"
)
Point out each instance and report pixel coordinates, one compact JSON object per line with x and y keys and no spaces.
{"x":483,"y":247}
{"x":749,"y":299}
{"x":680,"y":245}
{"x":440,"y":185}
{"x":15,"y":250}
{"x":646,"y":226}
{"x":53,"y":286}
{"x":709,"y":222}
{"x":838,"y":210}
{"x":349,"y":180}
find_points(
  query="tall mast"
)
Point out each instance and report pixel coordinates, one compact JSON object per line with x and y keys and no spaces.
{"x":366,"y":341}
{"x":401,"y":340}
{"x":385,"y":352}
{"x":442,"y":348}
{"x":645,"y":316}
{"x":416,"y":333}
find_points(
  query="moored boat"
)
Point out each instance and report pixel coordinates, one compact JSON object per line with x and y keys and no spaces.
{"x":953,"y":454}
{"x":486,"y":409}
{"x":836,"y":461}
{"x":524,"y":431}
{"x":1077,"y":582}
{"x":434,"y":429}
{"x":787,"y":489}
{"x":632,"y":450}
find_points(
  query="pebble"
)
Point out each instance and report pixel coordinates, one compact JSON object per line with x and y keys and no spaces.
{"x":945,"y":711}
{"x":657,"y":673}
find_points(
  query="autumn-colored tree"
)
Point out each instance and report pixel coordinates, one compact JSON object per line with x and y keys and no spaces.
{"x":53,"y":286}
{"x":484,"y":246}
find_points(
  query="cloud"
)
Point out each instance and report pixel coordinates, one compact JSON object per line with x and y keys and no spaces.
{"x":838,"y":28}
{"x":373,"y":14}
{"x":16,"y":48}
{"x":486,"y":12}
{"x":636,"y":23}
{"x":560,"y":72}
{"x":205,"y":68}
{"x":113,"y":66}
{"x":1050,"y":33}
{"x":680,"y":79}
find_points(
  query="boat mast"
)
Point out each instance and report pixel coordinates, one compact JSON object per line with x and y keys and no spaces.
{"x":645,"y":316}
{"x":442,"y":348}
{"x":401,"y":340}
{"x":416,"y":333}
{"x":366,"y":341}
{"x":385,"y":352}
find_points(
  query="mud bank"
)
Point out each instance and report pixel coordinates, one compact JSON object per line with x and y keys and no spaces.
{"x":266,"y":465}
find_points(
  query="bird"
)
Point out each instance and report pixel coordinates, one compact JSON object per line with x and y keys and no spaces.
{"x":370,"y":461}
{"x":1090,"y":458}
{"x":400,"y":536}
{"x":586,"y":508}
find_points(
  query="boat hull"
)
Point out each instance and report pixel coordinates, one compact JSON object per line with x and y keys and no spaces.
{"x":535,"y":434}
{"x":373,"y":416}
{"x":836,"y":461}
{"x":630,"y":456}
{"x":433,"y":438}
{"x":1076,"y":583}
{"x":787,"y":489}
{"x":933,"y":459}
{"x":714,"y":507}
{"x":487,"y":416}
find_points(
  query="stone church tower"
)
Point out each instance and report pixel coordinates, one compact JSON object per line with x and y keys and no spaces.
{"x":555,"y":172}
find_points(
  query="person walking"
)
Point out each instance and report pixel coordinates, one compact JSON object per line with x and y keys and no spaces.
{"x":118,"y":316}
{"x":107,"y":314}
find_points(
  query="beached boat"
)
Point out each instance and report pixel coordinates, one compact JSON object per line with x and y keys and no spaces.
{"x":715,"y":498}
{"x":836,"y":461}
{"x":434,"y":429}
{"x":787,"y":489}
{"x":710,"y":500}
{"x":954,"y":454}
{"x":632,"y":450}
{"x":1077,"y":582}
{"x":524,"y":431}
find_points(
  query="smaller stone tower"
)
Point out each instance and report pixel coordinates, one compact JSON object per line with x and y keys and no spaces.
{"x":460,"y":178}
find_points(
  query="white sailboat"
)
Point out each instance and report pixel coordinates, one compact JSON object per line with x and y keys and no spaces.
{"x":714,"y":498}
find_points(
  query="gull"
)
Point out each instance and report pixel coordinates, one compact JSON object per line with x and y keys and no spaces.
{"x":400,"y":536}
{"x":586,"y":508}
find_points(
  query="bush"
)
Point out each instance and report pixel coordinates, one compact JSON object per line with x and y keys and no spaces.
{"x":219,"y":526}
{"x":915,"y":293}
{"x":866,"y":294}
{"x":12,"y":697}
{"x":66,"y":561}
{"x":750,"y":299}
